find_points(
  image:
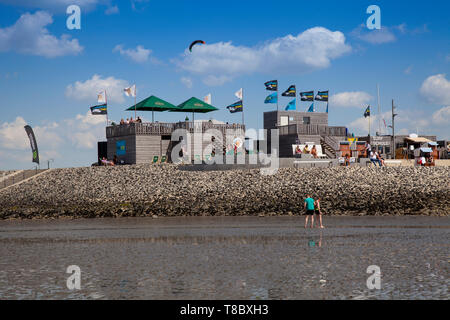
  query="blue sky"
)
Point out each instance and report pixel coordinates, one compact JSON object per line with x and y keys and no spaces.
{"x":50,"y":75}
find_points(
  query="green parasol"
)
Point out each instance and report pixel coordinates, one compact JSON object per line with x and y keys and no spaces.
{"x":194,"y":105}
{"x":153,"y":104}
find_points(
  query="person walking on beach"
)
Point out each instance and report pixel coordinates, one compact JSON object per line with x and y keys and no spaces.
{"x":318,"y":213}
{"x":309,"y":207}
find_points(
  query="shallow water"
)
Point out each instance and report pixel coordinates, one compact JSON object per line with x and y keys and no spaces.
{"x":226,"y":258}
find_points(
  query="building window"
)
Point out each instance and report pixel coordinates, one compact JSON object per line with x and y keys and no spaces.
{"x":306,"y":120}
{"x":284,"y":121}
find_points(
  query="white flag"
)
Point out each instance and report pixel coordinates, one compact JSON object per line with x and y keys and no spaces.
{"x":130,"y":91}
{"x":239,"y":94}
{"x":207,"y":99}
{"x":101,"y":97}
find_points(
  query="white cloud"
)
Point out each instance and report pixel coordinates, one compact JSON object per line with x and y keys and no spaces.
{"x":139,"y":55}
{"x":29,"y":36}
{"x":89,"y":89}
{"x":310,"y":50}
{"x":377,"y":36}
{"x":214,"y":81}
{"x":357,"y":99}
{"x":436,"y":89}
{"x":187,"y":82}
{"x":442,"y":116}
{"x":112,"y":10}
{"x":408,"y":70}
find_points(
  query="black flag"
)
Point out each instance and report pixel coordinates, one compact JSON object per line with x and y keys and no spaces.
{"x":290,"y":92}
{"x":33,"y":143}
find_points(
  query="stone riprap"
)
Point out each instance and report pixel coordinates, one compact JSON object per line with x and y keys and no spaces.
{"x":164,"y":190}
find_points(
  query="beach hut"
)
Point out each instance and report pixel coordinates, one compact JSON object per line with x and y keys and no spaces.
{"x":153,"y":104}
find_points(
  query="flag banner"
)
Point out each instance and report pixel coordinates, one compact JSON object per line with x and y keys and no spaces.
{"x":33,"y":144}
{"x":272,"y":98}
{"x":291,"y":106}
{"x":101,"y":97}
{"x":290,"y":92}
{"x":327,"y":107}
{"x":271,"y":85}
{"x":207,"y":99}
{"x":311,"y":108}
{"x":99,"y":110}
{"x":367,"y":112}
{"x":130,"y":91}
{"x":236,"y":107}
{"x":322,"y":96}
{"x":307,"y":96}
{"x":239,"y":94}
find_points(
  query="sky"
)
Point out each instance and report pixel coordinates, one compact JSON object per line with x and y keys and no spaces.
{"x":50,"y":75}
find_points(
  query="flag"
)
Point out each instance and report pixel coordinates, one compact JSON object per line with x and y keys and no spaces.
{"x":271,"y":98}
{"x":271,"y":85}
{"x":327,"y":107}
{"x":236,"y":107}
{"x":207,"y":99}
{"x":291,"y":106}
{"x":311,"y":108}
{"x":239,"y":94}
{"x":33,"y":144}
{"x":307,"y":96}
{"x":101,"y":97}
{"x":384,"y":123}
{"x":367,"y":112}
{"x":99,"y":110}
{"x":130,"y":91}
{"x":290,"y":92}
{"x":322,"y":96}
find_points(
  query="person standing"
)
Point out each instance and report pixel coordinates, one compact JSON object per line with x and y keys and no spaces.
{"x":309,"y":207}
{"x":318,"y":213}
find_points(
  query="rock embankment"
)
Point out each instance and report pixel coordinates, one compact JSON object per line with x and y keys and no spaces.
{"x":144,"y":190}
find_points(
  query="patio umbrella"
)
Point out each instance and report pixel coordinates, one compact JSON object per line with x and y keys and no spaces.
{"x":153,"y":104}
{"x":194,"y":105}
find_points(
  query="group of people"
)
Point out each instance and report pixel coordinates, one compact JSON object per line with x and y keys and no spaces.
{"x":375,"y":156}
{"x":306,"y":150}
{"x":106,"y":162}
{"x":312,"y":208}
{"x":131,"y":120}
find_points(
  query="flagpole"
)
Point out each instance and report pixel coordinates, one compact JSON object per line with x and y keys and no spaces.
{"x":242,"y":106}
{"x":135,"y":102}
{"x":106,"y":100}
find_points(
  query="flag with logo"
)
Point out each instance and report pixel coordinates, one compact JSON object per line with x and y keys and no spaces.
{"x":236,"y":107}
{"x":307,"y":96}
{"x":322,"y":96}
{"x":130,"y":91}
{"x":291,"y":106}
{"x":311,"y":108}
{"x":290,"y":92}
{"x":271,"y":85}
{"x":101,"y":97}
{"x":239,"y":94}
{"x":99,"y":109}
{"x":207,"y":99}
{"x":271,"y":98}
{"x":367,"y":112}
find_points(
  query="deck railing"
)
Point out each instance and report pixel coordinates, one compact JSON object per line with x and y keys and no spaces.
{"x":312,"y":129}
{"x":166,"y":128}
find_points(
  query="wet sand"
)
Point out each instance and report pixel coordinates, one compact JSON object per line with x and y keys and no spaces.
{"x":226,"y":258}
